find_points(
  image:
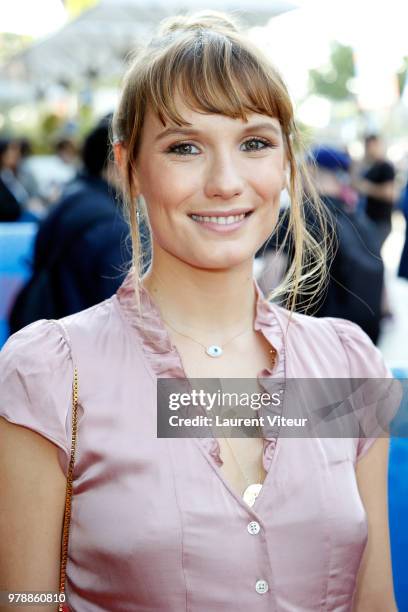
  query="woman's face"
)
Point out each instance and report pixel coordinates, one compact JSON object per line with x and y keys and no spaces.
{"x":212,"y":189}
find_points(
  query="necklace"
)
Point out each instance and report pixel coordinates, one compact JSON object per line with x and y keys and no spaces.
{"x":253,"y":489}
{"x":212,"y":350}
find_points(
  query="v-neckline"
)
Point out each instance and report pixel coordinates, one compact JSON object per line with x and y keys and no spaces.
{"x":254,"y":509}
{"x":165,"y":361}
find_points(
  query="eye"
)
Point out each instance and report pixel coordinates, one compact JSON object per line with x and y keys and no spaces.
{"x":256,"y":144}
{"x":183,"y":148}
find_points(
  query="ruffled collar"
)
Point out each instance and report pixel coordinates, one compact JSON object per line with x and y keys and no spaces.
{"x":165,"y":361}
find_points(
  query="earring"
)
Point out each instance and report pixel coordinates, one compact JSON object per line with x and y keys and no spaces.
{"x":287,"y":180}
{"x":138,"y":209}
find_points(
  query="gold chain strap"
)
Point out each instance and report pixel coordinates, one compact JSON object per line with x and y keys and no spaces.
{"x":68,"y":496}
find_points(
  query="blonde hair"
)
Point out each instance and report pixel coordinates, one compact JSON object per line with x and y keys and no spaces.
{"x":216,"y":69}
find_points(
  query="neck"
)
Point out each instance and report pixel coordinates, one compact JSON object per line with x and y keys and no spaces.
{"x":214,"y":301}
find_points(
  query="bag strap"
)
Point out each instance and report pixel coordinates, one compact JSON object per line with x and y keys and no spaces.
{"x":68,"y":497}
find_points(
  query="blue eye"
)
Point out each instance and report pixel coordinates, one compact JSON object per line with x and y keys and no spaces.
{"x":256,"y":144}
{"x":184,"y":148}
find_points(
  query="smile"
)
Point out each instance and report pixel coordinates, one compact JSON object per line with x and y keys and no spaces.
{"x":219,"y":220}
{"x":222,"y":224}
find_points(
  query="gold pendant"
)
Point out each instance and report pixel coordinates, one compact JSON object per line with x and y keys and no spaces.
{"x":251,"y":493}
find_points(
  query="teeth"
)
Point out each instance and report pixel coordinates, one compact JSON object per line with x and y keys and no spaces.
{"x":219,"y":220}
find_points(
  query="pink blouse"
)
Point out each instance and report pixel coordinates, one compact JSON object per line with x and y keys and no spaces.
{"x":155,"y":526}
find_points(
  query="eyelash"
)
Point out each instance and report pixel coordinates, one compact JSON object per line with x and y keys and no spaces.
{"x":175,"y":149}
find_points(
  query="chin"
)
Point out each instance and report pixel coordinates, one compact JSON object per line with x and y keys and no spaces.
{"x":222,"y":259}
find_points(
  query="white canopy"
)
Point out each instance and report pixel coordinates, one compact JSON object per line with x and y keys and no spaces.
{"x":98,"y":41}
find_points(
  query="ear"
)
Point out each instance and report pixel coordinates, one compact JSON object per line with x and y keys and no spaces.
{"x":120,"y":154}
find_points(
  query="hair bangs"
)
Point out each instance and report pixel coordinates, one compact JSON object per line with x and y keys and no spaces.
{"x":213,"y":76}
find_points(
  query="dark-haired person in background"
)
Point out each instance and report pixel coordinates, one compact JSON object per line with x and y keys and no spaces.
{"x":355,"y":278}
{"x":82,"y":242}
{"x":356,"y":271}
{"x":378,"y":186}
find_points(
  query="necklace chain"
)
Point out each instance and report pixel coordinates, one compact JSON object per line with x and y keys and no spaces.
{"x":252,"y":490}
{"x":239,"y":465}
{"x":272,"y":351}
{"x":200,"y":343}
{"x":252,"y":495}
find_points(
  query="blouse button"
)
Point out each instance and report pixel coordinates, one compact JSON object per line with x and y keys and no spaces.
{"x":253,"y":528}
{"x":261,"y":587}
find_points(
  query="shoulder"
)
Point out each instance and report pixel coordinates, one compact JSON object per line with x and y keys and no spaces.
{"x":332,"y":348}
{"x":47,"y":343}
{"x":335,"y":341}
{"x":388,"y":166}
{"x":101,"y":321}
{"x":37,"y":347}
{"x":35,"y":363}
{"x":364,"y":358}
{"x":103,"y":222}
{"x":386,"y":171}
{"x":81,"y":200}
{"x":36,"y":373}
{"x":37,"y":366}
{"x":381,"y":171}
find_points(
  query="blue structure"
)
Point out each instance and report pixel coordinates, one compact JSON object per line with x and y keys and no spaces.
{"x":16,"y":247}
{"x":398,"y":495}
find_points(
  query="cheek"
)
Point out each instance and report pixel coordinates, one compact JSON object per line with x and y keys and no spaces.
{"x":165,"y":187}
{"x":268,"y":181}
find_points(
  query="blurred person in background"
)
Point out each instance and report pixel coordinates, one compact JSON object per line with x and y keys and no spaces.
{"x":24,"y":172}
{"x":45,"y":176}
{"x":66,"y":150}
{"x":66,"y":162}
{"x":37,"y":204}
{"x":377,"y":185}
{"x":403,"y":265}
{"x":356,"y":272}
{"x":355,"y":280}
{"x":13,"y":196}
{"x":79,"y":251}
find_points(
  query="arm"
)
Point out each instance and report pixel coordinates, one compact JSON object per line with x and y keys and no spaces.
{"x":374,"y":592}
{"x":31,"y":513}
{"x":384,"y":191}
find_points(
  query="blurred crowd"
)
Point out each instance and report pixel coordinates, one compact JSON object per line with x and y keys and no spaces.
{"x":29,"y":183}
{"x":81,"y":251}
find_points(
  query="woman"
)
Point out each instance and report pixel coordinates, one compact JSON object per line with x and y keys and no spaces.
{"x":204,"y":138}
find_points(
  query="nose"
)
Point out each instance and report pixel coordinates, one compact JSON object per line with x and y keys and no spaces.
{"x":224,"y":179}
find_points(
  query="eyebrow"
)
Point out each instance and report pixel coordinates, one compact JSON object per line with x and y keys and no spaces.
{"x":189,"y":131}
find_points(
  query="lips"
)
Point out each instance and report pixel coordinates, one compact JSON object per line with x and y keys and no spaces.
{"x":221,"y":222}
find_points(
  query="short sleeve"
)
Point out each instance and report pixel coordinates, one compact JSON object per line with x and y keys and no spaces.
{"x":387,"y":172}
{"x":36,"y":376}
{"x":381,"y":172}
{"x":379,"y":397}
